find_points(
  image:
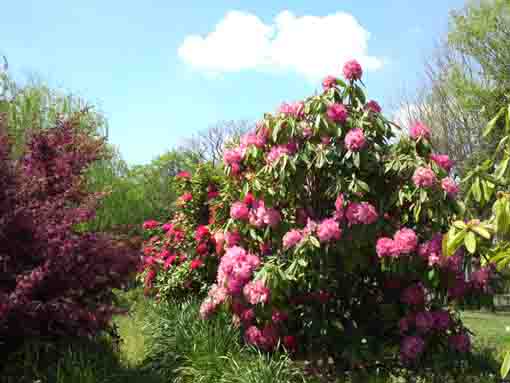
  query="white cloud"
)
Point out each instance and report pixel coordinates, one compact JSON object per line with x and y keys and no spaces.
{"x":312,"y":46}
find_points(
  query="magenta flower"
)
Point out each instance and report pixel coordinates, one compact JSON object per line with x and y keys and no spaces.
{"x":150,"y":224}
{"x":443,"y":161}
{"x":450,"y":186}
{"x":460,"y":342}
{"x":355,"y":140}
{"x":386,"y":247}
{"x":413,"y":295}
{"x":256,"y":292}
{"x":329,"y":230}
{"x":411,"y":348}
{"x":352,"y":70}
{"x":419,"y":130}
{"x":373,"y":106}
{"x":405,"y":240}
{"x":424,"y":321}
{"x":239,"y":211}
{"x":424,"y":177}
{"x":329,"y":82}
{"x":361,"y":213}
{"x":291,"y":238}
{"x":337,"y":113}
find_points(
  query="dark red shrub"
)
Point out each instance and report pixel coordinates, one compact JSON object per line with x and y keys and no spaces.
{"x":54,"y":279}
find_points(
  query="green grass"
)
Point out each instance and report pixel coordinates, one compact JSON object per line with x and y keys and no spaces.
{"x":168,"y":343}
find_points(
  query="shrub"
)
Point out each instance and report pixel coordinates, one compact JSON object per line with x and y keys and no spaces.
{"x":54,"y":279}
{"x":329,"y":236}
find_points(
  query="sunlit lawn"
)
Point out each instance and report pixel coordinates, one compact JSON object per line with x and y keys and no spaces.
{"x":490,"y":329}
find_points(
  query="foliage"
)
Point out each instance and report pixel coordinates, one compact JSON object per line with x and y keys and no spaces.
{"x":35,"y":106}
{"x":467,"y":82}
{"x":332,"y":236}
{"x":135,"y":194}
{"x":55,"y":280}
{"x":184,"y":246}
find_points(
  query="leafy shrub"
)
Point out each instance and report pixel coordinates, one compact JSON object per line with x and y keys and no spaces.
{"x":332,"y":236}
{"x":55,"y":280}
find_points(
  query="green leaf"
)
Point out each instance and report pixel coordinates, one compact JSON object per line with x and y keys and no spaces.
{"x":459,"y":224}
{"x":505,"y":367}
{"x":476,"y":191}
{"x":470,"y":242}
{"x":356,"y":159}
{"x":455,"y":241}
{"x":492,"y":123}
{"x":481,"y":231}
{"x":315,"y":242}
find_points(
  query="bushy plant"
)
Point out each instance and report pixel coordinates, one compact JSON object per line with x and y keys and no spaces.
{"x":55,"y":280}
{"x":332,"y":235}
{"x":180,"y":255}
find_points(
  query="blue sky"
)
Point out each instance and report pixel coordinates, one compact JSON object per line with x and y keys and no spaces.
{"x":157,"y":84}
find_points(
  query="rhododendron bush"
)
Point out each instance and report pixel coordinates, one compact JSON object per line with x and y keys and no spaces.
{"x":327,"y":234}
{"x":54,"y":280}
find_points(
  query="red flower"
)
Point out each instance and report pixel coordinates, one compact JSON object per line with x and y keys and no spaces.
{"x":183,"y":174}
{"x":202,"y":249}
{"x":290,"y":342}
{"x":196,"y":263}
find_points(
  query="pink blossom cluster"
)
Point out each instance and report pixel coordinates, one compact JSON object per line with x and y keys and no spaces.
{"x":337,"y":113}
{"x":184,"y":175}
{"x":361,"y":213}
{"x":373,"y":106}
{"x":355,"y":140}
{"x":292,"y":238}
{"x":295,"y":109}
{"x":280,"y":150}
{"x":424,"y":177}
{"x":352,"y":70}
{"x":260,"y":215}
{"x":329,"y":82}
{"x":450,"y":186}
{"x":256,"y":292}
{"x":411,"y":348}
{"x":425,"y":321}
{"x":329,"y":230}
{"x":404,"y":242}
{"x":236,"y":269}
{"x":432,"y":250}
{"x":419,"y":130}
{"x":234,"y":156}
{"x":266,"y":338}
{"x":216,"y":296}
{"x":413,"y":295}
{"x":443,"y":161}
{"x":257,"y":139}
{"x":150,"y":224}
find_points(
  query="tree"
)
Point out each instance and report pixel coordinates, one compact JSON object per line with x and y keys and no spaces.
{"x":467,"y":82}
{"x":208,"y":145}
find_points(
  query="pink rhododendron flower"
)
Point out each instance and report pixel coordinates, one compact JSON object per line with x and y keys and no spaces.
{"x":373,"y":106}
{"x":256,"y":139}
{"x":291,"y":238}
{"x":386,"y":247}
{"x":411,"y":348}
{"x":169,"y":261}
{"x":183,"y":174}
{"x":413,"y":295}
{"x":276,"y":152}
{"x":424,"y":177}
{"x":256,"y":292}
{"x":405,"y":240}
{"x":296,"y":109}
{"x":207,"y":308}
{"x":352,"y":70}
{"x":355,"y":140}
{"x":432,"y":250}
{"x":339,"y":202}
{"x":201,"y":233}
{"x":279,"y":316}
{"x":480,"y":278}
{"x":443,"y":161}
{"x":269,"y":337}
{"x":167,"y":227}
{"x":450,"y":186}
{"x":419,"y":130}
{"x":236,"y":268}
{"x":460,"y":342}
{"x":329,"y":82}
{"x":234,"y":155}
{"x":290,"y":342}
{"x":232,"y":238}
{"x":253,"y":335}
{"x":186,"y":197}
{"x":424,"y":321}
{"x":239,"y":211}
{"x":337,"y":113}
{"x":247,"y":316}
{"x":272,"y":217}
{"x":196,"y":263}
{"x":329,"y":230}
{"x":442,"y":319}
{"x":361,"y":213}
{"x":150,"y":224}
